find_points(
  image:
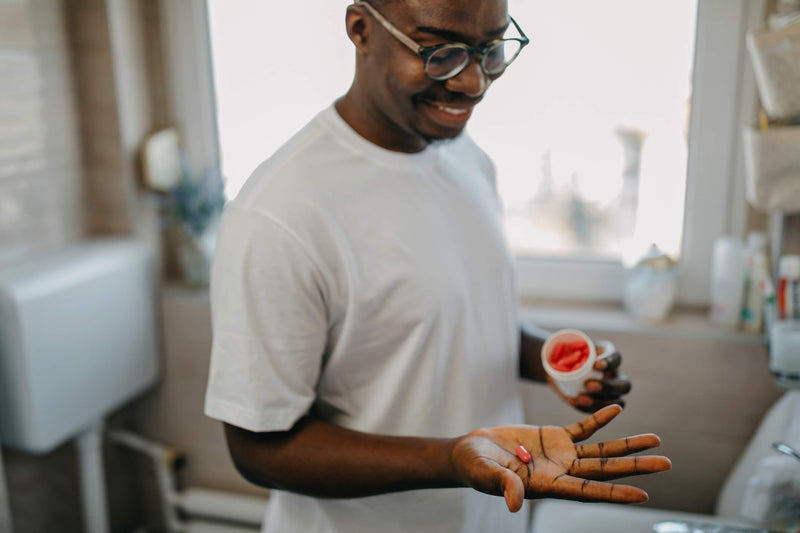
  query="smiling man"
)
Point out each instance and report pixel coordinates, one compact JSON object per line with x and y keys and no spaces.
{"x":402,"y":102}
{"x":366,"y":348}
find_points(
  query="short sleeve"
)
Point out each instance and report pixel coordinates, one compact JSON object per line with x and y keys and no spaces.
{"x":269,"y":324}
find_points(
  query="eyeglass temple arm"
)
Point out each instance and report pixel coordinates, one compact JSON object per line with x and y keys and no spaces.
{"x":525,"y":38}
{"x":403,"y":38}
{"x":400,"y":36}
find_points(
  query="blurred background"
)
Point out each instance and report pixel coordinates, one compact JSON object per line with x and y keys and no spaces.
{"x":618,"y":129}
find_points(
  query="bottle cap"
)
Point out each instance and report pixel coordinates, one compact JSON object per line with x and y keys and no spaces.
{"x":789,"y":266}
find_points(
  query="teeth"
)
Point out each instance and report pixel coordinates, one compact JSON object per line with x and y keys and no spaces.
{"x":452,"y":110}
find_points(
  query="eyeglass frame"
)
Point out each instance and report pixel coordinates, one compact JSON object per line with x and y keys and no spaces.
{"x":425,"y":52}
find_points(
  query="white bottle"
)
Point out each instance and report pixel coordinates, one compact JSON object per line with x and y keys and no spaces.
{"x":727,"y":282}
{"x":756,"y":270}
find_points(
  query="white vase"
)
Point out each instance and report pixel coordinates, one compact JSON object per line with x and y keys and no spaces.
{"x":195,"y":253}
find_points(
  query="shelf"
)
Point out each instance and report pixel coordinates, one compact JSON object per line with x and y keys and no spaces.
{"x":682,"y":323}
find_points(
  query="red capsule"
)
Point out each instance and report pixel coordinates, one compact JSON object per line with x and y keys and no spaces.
{"x":523,"y":454}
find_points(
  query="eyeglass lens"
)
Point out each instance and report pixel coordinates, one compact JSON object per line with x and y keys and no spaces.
{"x":448,"y":61}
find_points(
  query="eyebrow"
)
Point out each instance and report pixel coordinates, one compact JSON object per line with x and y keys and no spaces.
{"x":456,"y":36}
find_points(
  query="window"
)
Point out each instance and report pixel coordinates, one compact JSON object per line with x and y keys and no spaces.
{"x":590,"y":129}
{"x":264,"y":93}
{"x":589,"y":134}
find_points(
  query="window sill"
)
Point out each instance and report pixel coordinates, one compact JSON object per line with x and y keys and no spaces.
{"x":684,"y":323}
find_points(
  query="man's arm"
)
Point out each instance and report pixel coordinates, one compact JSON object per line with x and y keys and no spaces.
{"x":531,"y":340}
{"x":321,"y":459}
{"x":324,"y":460}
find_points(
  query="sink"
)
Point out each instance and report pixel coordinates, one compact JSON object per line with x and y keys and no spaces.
{"x":77,"y":339}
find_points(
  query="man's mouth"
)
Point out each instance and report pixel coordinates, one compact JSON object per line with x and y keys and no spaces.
{"x":449,"y":114}
{"x":451,"y":110}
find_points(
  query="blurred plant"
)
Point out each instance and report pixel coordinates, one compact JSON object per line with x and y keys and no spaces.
{"x":195,"y":203}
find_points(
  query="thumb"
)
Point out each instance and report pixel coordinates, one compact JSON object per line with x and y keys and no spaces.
{"x":513,"y":490}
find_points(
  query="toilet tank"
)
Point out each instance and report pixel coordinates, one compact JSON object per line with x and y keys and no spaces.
{"x":77,"y":339}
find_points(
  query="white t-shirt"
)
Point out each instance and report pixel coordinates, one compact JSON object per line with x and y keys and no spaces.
{"x":376,"y":288}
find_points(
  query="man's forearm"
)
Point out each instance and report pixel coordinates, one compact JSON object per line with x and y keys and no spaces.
{"x":531,"y":340}
{"x":320,"y":459}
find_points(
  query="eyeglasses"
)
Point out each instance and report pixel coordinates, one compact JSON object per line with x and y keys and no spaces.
{"x":445,"y":61}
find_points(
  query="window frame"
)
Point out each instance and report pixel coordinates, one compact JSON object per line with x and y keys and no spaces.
{"x":715,"y":197}
{"x":715,"y":202}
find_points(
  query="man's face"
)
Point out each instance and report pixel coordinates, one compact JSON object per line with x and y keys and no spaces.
{"x":413,"y":109}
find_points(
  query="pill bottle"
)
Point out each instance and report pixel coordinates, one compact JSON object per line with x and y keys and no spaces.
{"x":788,"y":292}
{"x":727,"y":282}
{"x":569,"y":379}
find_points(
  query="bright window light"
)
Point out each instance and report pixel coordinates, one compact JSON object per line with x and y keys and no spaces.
{"x":588,"y":128}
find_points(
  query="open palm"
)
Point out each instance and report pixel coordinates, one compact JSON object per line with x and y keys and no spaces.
{"x":559,"y":467}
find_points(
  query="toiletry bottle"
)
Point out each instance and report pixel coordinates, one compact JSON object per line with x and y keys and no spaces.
{"x":788,"y":290}
{"x":755,"y":270}
{"x":770,"y":301}
{"x":727,"y":282}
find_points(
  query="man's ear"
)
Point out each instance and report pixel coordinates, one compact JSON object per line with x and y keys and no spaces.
{"x":358,"y":26}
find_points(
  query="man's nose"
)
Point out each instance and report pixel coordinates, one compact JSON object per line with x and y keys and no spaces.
{"x":471,"y":81}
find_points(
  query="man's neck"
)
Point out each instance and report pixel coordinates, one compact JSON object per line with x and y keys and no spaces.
{"x":374,"y":127}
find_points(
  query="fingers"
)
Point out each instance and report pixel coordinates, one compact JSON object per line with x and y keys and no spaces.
{"x":608,"y":356}
{"x":612,"y":468}
{"x":587,"y":404}
{"x":585,"y":428}
{"x":574,"y":488}
{"x":608,"y":387}
{"x":488,"y":470}
{"x":599,"y":393}
{"x":513,"y":490}
{"x":618,"y":447}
